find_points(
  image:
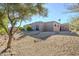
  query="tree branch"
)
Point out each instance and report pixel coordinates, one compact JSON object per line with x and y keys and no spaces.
{"x":17,"y":28}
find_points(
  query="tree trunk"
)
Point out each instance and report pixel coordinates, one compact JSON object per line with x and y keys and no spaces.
{"x":8,"y":44}
{"x":9,"y":41}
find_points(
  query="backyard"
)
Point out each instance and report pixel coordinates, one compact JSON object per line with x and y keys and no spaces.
{"x":43,"y":43}
{"x":36,"y":29}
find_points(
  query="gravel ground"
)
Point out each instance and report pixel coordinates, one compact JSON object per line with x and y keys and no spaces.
{"x":54,"y":45}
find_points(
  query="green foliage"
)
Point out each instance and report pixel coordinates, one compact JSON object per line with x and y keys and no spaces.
{"x":14,"y":12}
{"x":28,"y":28}
{"x":21,"y":28}
{"x":3,"y":23}
{"x":2,"y":31}
{"x":74,"y":24}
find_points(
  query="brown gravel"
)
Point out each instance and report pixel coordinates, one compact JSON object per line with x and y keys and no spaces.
{"x":55,"y":45}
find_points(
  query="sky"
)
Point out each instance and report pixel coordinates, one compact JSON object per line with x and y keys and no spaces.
{"x":55,"y":11}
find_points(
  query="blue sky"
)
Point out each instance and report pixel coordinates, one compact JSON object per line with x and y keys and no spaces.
{"x":55,"y":11}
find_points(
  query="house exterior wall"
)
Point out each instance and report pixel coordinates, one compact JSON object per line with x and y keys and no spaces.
{"x":40,"y":26}
{"x":64,"y":28}
{"x":56,"y":27}
{"x":46,"y":26}
{"x":49,"y":26}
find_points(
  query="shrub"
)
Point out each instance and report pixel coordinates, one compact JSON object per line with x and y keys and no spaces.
{"x":28,"y":28}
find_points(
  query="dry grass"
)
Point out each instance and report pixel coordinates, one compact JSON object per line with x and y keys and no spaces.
{"x":55,"y":45}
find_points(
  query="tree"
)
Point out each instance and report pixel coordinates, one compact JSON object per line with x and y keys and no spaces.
{"x":16,"y":13}
{"x":74,"y":8}
{"x":74,"y":24}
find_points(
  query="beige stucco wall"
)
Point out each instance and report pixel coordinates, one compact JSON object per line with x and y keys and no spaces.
{"x":56,"y":27}
{"x":49,"y":26}
{"x":46,"y":26}
{"x":37,"y":24}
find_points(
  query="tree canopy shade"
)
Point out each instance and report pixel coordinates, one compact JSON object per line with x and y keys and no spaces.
{"x":11,"y":13}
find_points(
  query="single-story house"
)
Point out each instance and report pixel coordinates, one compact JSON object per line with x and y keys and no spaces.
{"x":49,"y":26}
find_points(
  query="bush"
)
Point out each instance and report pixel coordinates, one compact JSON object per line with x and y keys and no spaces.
{"x":28,"y":28}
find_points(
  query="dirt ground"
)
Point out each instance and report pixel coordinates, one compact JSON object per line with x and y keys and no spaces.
{"x":44,"y":44}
